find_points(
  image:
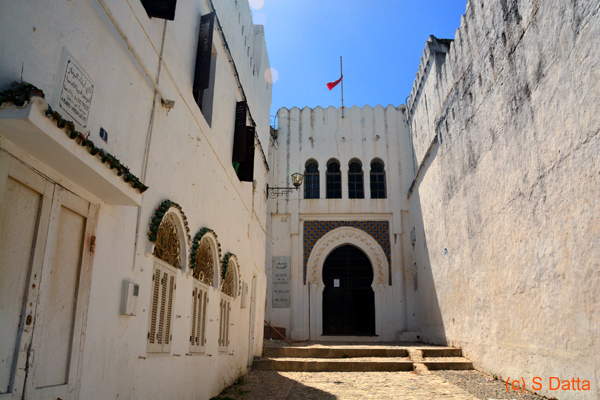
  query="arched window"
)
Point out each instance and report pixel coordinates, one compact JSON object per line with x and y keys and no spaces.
{"x":168,"y":249}
{"x":229,"y":289}
{"x":205,"y":263}
{"x":378,"y":180}
{"x":356,"y":188}
{"x":311,"y":180}
{"x":229,"y":274}
{"x":334,"y":180}
{"x":167,"y":246}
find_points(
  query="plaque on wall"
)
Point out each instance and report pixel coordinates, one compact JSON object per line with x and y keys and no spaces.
{"x":76,"y":93}
{"x":281,"y":282}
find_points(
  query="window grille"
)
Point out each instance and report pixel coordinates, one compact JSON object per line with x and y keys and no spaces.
{"x":167,"y":246}
{"x":378,"y":187}
{"x":334,"y":180}
{"x":311,"y":180}
{"x":229,"y":280}
{"x":356,"y":189}
{"x":205,"y":263}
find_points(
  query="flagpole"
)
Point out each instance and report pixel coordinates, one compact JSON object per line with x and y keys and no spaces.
{"x":342,"y":75}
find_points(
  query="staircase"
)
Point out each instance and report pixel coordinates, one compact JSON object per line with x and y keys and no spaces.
{"x":354,"y":358}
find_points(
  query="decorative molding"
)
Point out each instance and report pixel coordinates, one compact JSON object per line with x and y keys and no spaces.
{"x":343,"y":236}
{"x":379,"y":230}
{"x":159,"y":214}
{"x":20,"y":93}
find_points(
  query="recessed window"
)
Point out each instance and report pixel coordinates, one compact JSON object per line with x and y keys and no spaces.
{"x":334,"y":180}
{"x":243,"y":144}
{"x":378,"y":190}
{"x":206,"y":66}
{"x":356,"y":189}
{"x":311,"y":180}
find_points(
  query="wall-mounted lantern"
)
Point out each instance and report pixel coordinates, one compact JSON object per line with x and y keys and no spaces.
{"x":274,"y":192}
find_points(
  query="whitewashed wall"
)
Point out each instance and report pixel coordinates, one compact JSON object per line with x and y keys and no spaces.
{"x":188,"y":163}
{"x":321,"y":134}
{"x":506,"y":209}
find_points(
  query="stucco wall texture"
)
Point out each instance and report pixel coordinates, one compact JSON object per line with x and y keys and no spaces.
{"x":507,"y":205}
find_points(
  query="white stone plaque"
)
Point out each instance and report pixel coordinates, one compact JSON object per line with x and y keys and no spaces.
{"x":281,"y":282}
{"x":76,"y":93}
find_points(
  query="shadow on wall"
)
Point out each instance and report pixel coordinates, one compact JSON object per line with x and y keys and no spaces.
{"x":427,"y":312}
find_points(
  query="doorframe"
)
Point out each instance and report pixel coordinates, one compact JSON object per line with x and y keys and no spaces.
{"x":342,"y":236}
{"x":23,"y":172}
{"x":348,"y":288}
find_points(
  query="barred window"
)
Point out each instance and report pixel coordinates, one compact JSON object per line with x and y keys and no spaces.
{"x":378,"y":190}
{"x":334,"y":180}
{"x":311,"y":180}
{"x":356,"y":189}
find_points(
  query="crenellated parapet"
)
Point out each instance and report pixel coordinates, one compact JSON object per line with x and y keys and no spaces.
{"x":433,"y":47}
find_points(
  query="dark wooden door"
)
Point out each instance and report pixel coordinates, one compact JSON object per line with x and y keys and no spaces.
{"x":348,"y":299}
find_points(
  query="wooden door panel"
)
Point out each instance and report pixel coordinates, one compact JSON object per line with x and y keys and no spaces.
{"x":18,"y":222}
{"x":59,"y":300}
{"x":25,"y":203}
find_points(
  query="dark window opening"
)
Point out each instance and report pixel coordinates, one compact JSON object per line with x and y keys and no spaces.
{"x":164,"y":9}
{"x":206,"y":63}
{"x":311,"y":180}
{"x":378,"y":181}
{"x":243,"y":144}
{"x":334,"y":180}
{"x":356,"y":188}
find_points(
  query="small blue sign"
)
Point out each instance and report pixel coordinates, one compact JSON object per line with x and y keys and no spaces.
{"x":103,"y":134}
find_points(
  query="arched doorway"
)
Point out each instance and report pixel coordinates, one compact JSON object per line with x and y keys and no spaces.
{"x":348,"y":299}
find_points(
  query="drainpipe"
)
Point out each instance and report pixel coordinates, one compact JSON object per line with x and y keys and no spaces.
{"x":149,"y":139}
{"x":166,"y":103}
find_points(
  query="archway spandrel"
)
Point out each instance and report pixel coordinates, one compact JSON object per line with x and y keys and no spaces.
{"x":343,"y":236}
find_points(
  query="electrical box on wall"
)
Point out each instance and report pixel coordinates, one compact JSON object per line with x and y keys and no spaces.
{"x":129,"y":299}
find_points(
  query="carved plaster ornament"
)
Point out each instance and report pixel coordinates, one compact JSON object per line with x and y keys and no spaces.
{"x":342,"y":236}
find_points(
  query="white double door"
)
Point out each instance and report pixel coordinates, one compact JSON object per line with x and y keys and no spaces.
{"x":45,"y":269}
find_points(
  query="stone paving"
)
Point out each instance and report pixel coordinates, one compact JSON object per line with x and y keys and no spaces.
{"x":272,"y":385}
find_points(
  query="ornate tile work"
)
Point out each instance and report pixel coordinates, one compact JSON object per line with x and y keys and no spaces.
{"x":379,"y":230}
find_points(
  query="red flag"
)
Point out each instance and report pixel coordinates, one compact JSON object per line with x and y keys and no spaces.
{"x":331,"y":85}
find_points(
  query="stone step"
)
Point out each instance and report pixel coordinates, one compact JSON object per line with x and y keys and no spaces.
{"x":330,"y":365}
{"x":333,"y":352}
{"x":355,"y":351}
{"x":357,"y":364}
{"x":357,"y":358}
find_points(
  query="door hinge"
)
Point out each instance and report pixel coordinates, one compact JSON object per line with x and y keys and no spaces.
{"x":92,"y":244}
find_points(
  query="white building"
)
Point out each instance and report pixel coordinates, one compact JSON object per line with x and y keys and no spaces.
{"x":340,"y":251}
{"x":132,"y":230}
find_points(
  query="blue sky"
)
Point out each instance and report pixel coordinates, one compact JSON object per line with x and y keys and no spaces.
{"x":381,"y":42}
